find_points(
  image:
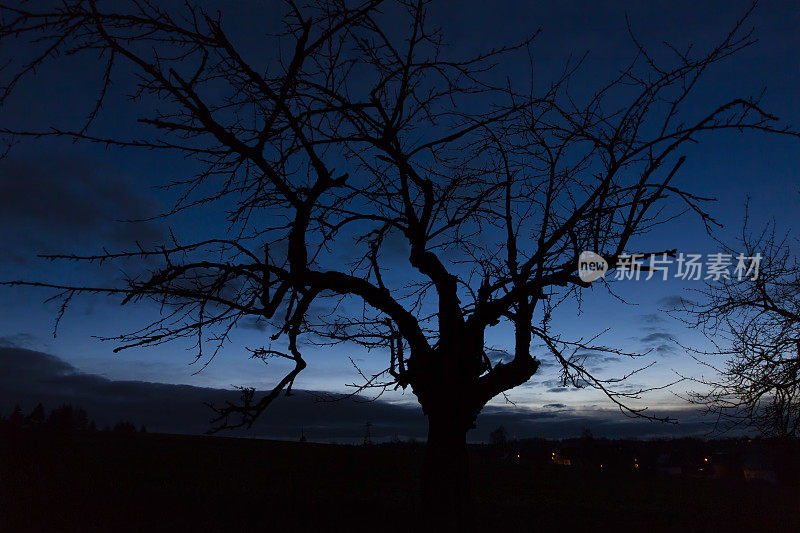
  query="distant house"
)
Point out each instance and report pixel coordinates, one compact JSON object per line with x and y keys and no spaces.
{"x":759,"y":467}
{"x":561,"y":459}
{"x":725,"y":465}
{"x":666,"y":463}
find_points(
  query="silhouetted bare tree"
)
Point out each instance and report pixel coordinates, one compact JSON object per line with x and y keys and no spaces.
{"x":358,"y":136}
{"x":755,"y":324}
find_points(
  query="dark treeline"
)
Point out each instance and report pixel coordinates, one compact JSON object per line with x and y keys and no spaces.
{"x":755,"y":459}
{"x":63,"y":419}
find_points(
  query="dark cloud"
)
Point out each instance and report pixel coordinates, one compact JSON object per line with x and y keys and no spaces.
{"x":602,"y":424}
{"x":492,"y":416}
{"x":18,"y":340}
{"x":676,"y":301}
{"x":660,"y":342}
{"x":652,"y":318}
{"x":665,"y":349}
{"x":51,"y":203}
{"x":592,"y":354}
{"x":502,"y":356}
{"x":658,"y":336}
{"x":499,"y":356}
{"x":28,"y":377}
{"x":544,"y":364}
{"x":551,"y":383}
{"x":256,"y":323}
{"x":557,"y":385}
{"x":630,"y":388}
{"x":21,"y":369}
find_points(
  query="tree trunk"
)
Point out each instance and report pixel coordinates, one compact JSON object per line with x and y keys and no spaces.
{"x":446,"y":488}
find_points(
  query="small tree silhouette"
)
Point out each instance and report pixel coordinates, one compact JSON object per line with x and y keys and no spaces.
{"x":499,"y":437}
{"x":17,"y":418}
{"x":755,"y":323}
{"x":62,"y":419}
{"x":37,"y":416}
{"x":124,"y":427}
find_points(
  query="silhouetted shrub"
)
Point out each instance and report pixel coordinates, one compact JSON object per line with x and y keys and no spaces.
{"x":68,"y":418}
{"x":499,"y":437}
{"x":37,"y":416}
{"x":17,"y":419}
{"x":124,"y":427}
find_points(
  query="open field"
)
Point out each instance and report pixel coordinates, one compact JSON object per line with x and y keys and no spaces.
{"x":146,"y":482}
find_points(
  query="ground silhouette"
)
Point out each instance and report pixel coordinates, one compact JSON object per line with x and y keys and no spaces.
{"x":106,"y":481}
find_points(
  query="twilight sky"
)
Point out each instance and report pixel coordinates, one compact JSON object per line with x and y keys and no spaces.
{"x":60,"y":196}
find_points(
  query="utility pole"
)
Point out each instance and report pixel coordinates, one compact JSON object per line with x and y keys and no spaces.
{"x":367,"y":435}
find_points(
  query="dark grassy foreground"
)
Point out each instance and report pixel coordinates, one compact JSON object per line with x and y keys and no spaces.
{"x":116,"y":482}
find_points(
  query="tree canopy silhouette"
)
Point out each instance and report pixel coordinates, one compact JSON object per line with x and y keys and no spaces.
{"x":424,"y":196}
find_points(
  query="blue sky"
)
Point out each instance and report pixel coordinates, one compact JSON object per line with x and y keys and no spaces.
{"x":59,"y":196}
